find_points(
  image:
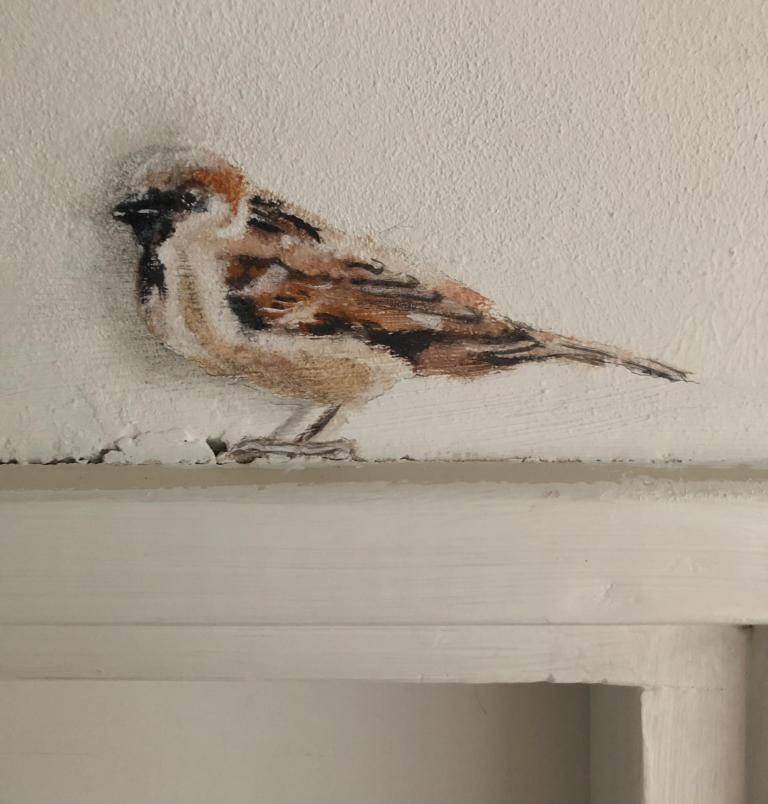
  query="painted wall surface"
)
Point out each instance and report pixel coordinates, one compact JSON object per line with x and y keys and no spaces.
{"x":77,"y":742}
{"x":598,"y":169}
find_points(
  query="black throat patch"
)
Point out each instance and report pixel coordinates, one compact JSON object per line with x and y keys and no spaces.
{"x":150,"y":235}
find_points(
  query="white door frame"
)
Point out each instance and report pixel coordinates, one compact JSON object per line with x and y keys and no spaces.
{"x":637,"y":578}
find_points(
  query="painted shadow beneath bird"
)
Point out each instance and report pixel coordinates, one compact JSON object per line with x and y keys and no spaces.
{"x":250,"y":287}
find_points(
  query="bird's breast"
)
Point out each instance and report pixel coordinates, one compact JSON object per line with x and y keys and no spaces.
{"x":194,"y":319}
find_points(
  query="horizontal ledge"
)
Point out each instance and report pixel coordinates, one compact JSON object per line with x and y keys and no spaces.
{"x":693,"y":657}
{"x":105,"y":477}
{"x":643,"y":551}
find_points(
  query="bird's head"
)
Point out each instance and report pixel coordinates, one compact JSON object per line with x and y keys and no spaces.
{"x":177,"y":186}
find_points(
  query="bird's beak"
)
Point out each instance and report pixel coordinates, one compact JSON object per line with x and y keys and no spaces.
{"x":134,"y":209}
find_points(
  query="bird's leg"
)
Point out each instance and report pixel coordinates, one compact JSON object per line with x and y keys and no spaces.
{"x":318,"y":425}
{"x":302,"y":445}
{"x":290,"y":429}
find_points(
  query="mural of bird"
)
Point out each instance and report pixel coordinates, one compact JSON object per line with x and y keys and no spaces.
{"x":248,"y":286}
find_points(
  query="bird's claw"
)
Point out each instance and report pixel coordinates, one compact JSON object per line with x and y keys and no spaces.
{"x":251,"y":449}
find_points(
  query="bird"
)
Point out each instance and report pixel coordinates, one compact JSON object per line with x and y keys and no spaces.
{"x":251,"y":287}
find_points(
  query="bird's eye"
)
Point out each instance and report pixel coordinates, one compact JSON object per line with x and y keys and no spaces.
{"x":191,"y":201}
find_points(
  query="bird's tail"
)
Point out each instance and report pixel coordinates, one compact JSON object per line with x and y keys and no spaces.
{"x":538,"y":345}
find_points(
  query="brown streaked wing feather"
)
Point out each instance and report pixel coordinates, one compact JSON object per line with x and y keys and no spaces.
{"x":270,"y":215}
{"x":313,"y":289}
{"x":324,"y":295}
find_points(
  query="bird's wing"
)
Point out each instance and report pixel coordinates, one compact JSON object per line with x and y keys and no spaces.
{"x":313,"y":245}
{"x":308,"y":291}
{"x":272,"y":216}
{"x":292,"y":274}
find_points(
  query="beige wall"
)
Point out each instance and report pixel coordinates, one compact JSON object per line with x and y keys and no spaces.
{"x":280,"y":742}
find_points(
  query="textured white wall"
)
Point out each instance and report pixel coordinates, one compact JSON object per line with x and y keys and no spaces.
{"x":597,"y":168}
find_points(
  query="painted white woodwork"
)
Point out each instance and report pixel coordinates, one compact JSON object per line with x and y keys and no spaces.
{"x":693,"y":680}
{"x":757,"y":717}
{"x":121,"y":574}
{"x":690,"y":657}
{"x":596,"y":169}
{"x":282,"y":549}
{"x":694,"y":745}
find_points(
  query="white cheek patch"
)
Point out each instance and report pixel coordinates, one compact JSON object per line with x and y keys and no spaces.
{"x":239,"y":225}
{"x":185,"y":263}
{"x":434,"y":322}
{"x":163,"y":312}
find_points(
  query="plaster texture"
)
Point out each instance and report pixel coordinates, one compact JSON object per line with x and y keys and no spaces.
{"x":599,"y":169}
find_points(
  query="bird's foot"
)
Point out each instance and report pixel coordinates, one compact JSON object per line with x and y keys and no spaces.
{"x":251,"y":449}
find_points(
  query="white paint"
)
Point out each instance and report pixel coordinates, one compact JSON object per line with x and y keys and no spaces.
{"x":268,"y":281}
{"x":184,"y":257}
{"x":757,"y":711}
{"x":170,"y":446}
{"x":282,"y":549}
{"x":703,"y":658}
{"x":691,"y":719}
{"x":292,"y":743}
{"x":693,"y":744}
{"x":596,"y":170}
{"x":135,"y":557}
{"x":425,"y":320}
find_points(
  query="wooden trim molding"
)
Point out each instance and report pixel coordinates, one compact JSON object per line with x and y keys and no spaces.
{"x":459,"y":573}
{"x":292,"y":548}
